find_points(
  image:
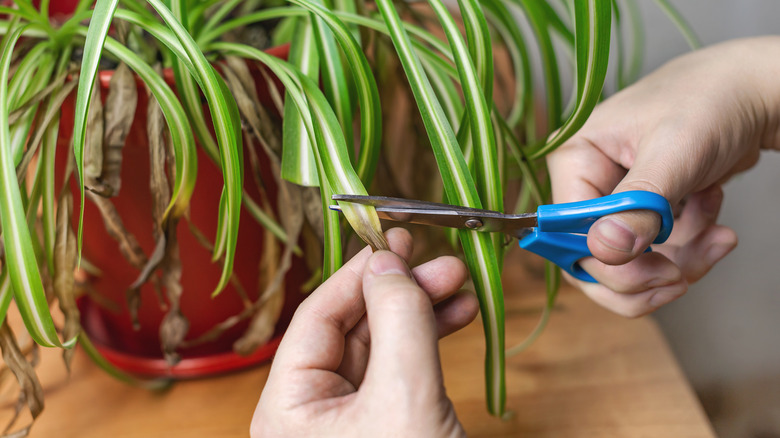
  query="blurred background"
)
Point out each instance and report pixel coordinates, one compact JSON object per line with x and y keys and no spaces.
{"x":725,"y":330}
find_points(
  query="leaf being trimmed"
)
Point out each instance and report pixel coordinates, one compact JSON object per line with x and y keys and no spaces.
{"x":332,"y":157}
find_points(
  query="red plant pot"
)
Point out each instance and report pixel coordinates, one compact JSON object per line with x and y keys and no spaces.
{"x":59,"y":10}
{"x":138,"y":351}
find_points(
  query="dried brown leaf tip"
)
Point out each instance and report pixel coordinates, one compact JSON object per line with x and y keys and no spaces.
{"x":30,"y":391}
{"x":64,"y":265}
{"x":175,"y":325}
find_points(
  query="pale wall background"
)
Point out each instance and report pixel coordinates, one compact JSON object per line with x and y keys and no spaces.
{"x":726,"y":330}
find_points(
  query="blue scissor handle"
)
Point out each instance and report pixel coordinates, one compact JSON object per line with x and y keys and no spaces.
{"x":561,"y":232}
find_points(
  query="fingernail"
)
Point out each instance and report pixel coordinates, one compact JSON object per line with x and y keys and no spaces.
{"x":666,"y":296}
{"x":387,"y":263}
{"x":717,"y":251}
{"x":710,"y":204}
{"x":616,"y":234}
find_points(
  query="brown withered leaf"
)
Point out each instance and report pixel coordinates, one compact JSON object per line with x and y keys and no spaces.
{"x":119,"y":113}
{"x":128,"y":246}
{"x":31,"y":393}
{"x":54,"y":109}
{"x":289,"y":205}
{"x":276,"y":96}
{"x":174,"y":326}
{"x":312,"y":210}
{"x":269,"y":134}
{"x":93,"y":144}
{"x":122,"y":31}
{"x":263,"y":323}
{"x":311,"y":245}
{"x":64,"y":265}
{"x":256,"y":115}
{"x":58,"y":82}
{"x":159,"y":187}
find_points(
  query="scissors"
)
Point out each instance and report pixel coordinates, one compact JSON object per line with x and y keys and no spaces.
{"x":557,"y":232}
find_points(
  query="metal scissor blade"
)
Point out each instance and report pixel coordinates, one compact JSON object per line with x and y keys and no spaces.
{"x":442,"y":215}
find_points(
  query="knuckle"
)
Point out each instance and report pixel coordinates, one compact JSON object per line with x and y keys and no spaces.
{"x":401,"y":295}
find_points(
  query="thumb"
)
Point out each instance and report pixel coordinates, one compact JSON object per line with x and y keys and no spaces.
{"x":404,"y":351}
{"x":619,"y":238}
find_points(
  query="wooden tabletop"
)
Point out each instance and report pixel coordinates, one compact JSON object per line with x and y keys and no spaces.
{"x":591,"y":374}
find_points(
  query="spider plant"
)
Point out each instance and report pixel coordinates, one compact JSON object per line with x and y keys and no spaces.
{"x":330,"y":89}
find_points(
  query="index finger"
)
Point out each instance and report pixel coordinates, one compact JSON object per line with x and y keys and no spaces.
{"x":579,"y":170}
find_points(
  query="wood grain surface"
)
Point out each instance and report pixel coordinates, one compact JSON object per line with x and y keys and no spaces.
{"x":591,"y":374}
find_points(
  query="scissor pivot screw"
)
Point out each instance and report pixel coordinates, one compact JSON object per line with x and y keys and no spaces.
{"x":473,"y":223}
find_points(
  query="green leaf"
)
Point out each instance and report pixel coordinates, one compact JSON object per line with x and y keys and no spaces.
{"x":537,"y":17}
{"x":335,"y":171}
{"x":552,"y":276}
{"x":190,"y":97}
{"x":475,"y":69}
{"x":365,"y":86}
{"x":679,"y":21}
{"x":460,"y":189}
{"x":334,"y":79}
{"x":179,"y":128}
{"x":592,"y":27}
{"x":298,"y":163}
{"x":227,"y":127}
{"x":6,"y":293}
{"x":21,"y":263}
{"x":523,"y":103}
{"x":96,"y":36}
{"x":628,"y":74}
{"x":97,"y":358}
